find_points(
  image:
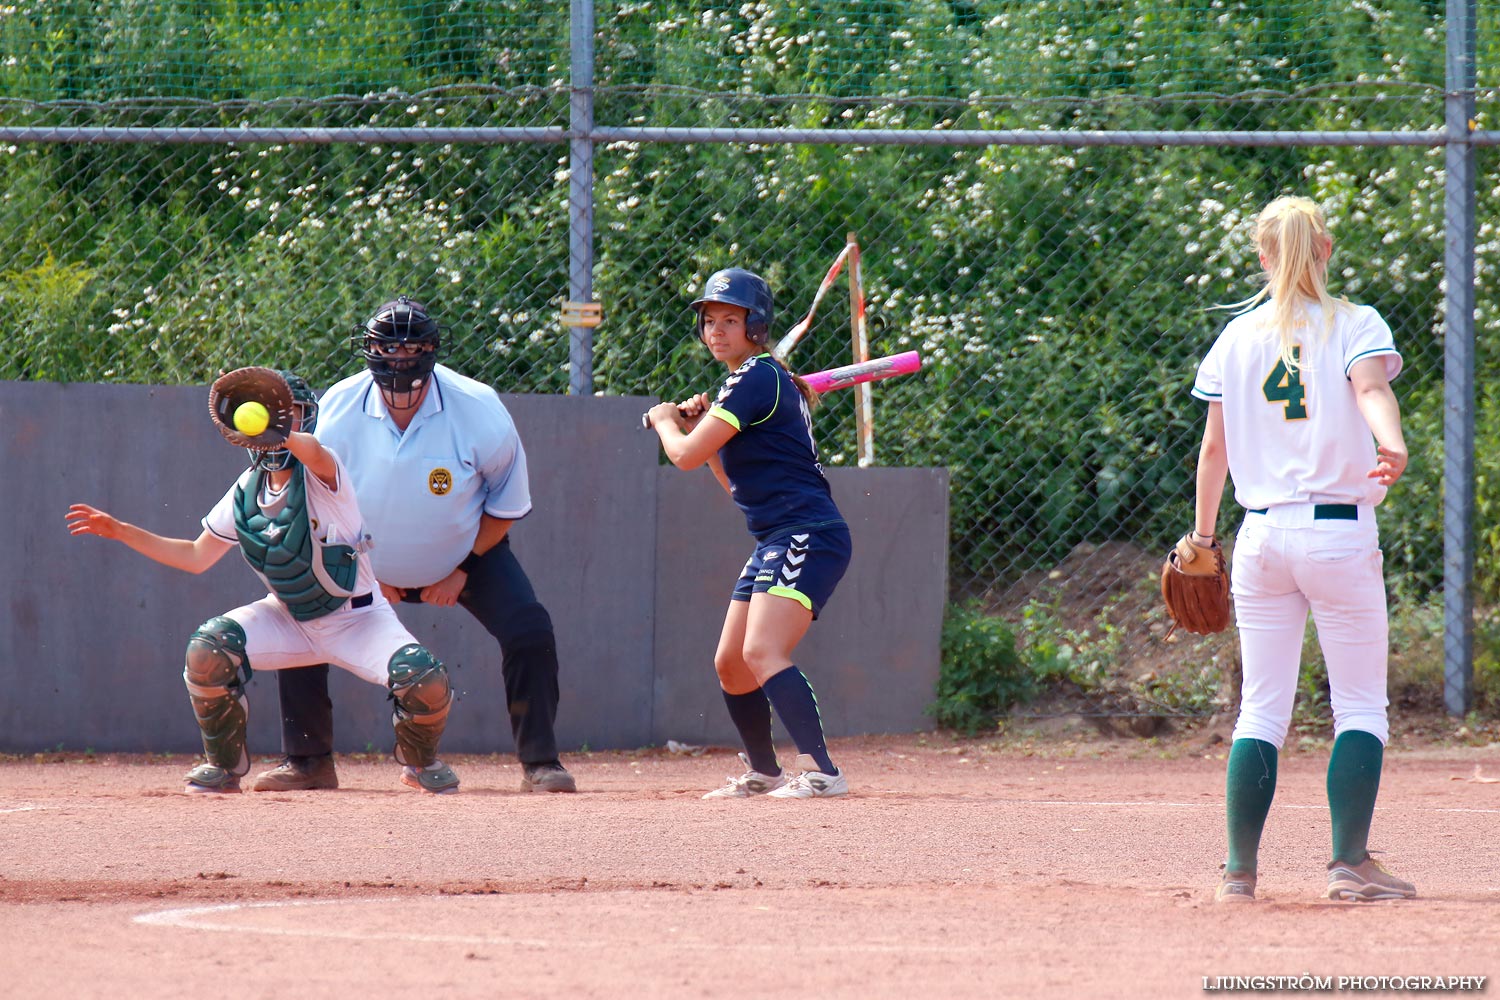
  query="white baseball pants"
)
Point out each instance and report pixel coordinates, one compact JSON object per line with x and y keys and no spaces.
{"x":1286,"y":562}
{"x":361,"y":640}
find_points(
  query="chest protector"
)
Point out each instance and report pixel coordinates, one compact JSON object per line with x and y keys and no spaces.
{"x":311,"y":577}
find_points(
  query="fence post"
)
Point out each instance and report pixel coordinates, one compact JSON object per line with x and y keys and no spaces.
{"x":1458,"y":365}
{"x":581,"y":193}
{"x":864,"y":410}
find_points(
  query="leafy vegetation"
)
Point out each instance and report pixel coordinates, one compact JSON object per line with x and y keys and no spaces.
{"x":983,"y":673}
{"x":991,"y":667}
{"x":1059,"y":296}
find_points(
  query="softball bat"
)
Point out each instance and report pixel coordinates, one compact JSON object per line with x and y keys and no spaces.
{"x":862,"y":371}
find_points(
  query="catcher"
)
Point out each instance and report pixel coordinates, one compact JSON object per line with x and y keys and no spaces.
{"x":295,"y":519}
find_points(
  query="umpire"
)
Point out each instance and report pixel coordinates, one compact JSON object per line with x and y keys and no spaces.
{"x":441,"y":477}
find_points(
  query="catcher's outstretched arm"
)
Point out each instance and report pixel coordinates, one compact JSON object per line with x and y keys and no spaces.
{"x":317,"y":459}
{"x":1213,"y":469}
{"x":192,"y":556}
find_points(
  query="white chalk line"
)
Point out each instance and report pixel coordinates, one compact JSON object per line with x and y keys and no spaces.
{"x":193,"y":918}
{"x":84,"y":803}
{"x":199,"y":918}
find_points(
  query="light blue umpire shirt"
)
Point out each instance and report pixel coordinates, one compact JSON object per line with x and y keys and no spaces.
{"x":422,"y":492}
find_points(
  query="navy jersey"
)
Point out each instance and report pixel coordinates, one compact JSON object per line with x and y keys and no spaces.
{"x":772,"y":463}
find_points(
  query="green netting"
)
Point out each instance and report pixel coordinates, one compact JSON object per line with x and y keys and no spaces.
{"x":222,"y":50}
{"x":1058,"y":295}
{"x":225,"y":50}
{"x":1012,"y":48}
{"x":1059,"y":298}
{"x":1487,"y":35}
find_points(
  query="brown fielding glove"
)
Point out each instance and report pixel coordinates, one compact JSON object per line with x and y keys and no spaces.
{"x":263,"y":386}
{"x":1195,"y":585}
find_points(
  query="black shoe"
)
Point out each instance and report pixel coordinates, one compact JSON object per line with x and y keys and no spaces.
{"x":551,"y":777}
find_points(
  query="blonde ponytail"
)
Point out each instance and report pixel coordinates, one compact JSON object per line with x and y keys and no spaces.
{"x":1294,"y":243}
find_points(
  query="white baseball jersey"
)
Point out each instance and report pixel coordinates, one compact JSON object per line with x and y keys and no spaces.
{"x":334,"y":515}
{"x":1297,"y":436}
{"x":423,"y":491}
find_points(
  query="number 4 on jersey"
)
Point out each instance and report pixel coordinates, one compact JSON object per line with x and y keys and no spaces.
{"x":1284,"y":385}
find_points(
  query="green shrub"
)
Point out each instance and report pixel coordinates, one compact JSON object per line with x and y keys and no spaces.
{"x":1092,"y":666}
{"x":982,"y":672}
{"x":1486,"y":662}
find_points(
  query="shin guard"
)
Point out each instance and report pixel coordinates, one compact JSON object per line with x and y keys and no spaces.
{"x":215,"y":675}
{"x":422,"y":695}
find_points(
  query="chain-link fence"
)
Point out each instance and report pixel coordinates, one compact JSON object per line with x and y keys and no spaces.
{"x":1050,"y":195}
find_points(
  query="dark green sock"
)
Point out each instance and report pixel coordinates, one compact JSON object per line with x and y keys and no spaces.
{"x":1249,"y":788}
{"x":1353,"y":781}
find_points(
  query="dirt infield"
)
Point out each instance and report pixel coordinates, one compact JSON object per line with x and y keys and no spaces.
{"x":955,"y":870}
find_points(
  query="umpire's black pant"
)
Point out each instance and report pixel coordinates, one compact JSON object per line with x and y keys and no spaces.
{"x":499,"y":595}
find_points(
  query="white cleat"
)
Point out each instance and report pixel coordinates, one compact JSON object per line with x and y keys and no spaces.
{"x":811,"y":783}
{"x":749,"y":784}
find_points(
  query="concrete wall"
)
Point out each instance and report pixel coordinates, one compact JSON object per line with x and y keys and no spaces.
{"x":634,"y":561}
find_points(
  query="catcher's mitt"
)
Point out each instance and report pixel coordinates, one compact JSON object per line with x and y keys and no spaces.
{"x":1195,"y":585}
{"x":263,"y":386}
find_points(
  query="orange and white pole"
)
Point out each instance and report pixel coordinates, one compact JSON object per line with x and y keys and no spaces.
{"x":864,"y":410}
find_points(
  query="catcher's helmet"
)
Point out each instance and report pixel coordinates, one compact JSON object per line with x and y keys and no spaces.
{"x":398,"y":322}
{"x":276,"y":459}
{"x":742,"y":288}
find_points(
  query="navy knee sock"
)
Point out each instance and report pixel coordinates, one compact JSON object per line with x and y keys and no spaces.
{"x":751,"y":714}
{"x":797,"y":706}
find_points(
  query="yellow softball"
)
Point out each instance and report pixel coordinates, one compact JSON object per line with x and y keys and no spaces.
{"x":251,"y":418}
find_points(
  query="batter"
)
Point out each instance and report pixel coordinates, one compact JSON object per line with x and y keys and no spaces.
{"x":756,"y":436}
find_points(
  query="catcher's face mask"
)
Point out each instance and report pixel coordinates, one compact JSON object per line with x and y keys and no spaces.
{"x":400,"y":346}
{"x":276,"y":459}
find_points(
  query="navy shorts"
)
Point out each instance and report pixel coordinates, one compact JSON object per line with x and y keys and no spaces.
{"x":804,"y":566}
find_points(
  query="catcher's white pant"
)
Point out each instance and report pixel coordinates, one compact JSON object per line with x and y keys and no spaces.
{"x":1286,"y":563}
{"x":361,"y":640}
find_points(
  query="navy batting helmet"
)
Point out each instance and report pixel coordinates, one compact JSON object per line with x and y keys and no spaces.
{"x":399,"y":322}
{"x":746,"y":289}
